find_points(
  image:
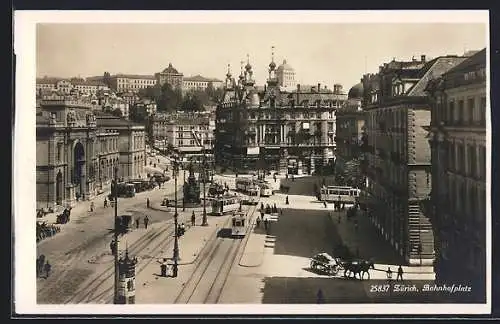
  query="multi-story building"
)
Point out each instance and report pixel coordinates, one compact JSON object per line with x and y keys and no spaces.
{"x":75,"y":152}
{"x":171,"y":76}
{"x":350,"y":124}
{"x":176,"y":130}
{"x":65,"y":86}
{"x":131,"y":82}
{"x":286,"y":75}
{"x":198,"y":82}
{"x":459,"y":175}
{"x":398,"y":155}
{"x":275,"y":129}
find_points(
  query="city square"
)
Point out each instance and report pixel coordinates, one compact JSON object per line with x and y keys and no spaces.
{"x":267,"y":175}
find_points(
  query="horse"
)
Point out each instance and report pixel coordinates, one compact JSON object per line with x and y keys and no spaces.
{"x":357,"y":267}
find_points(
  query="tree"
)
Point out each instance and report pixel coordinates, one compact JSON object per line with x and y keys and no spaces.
{"x":117,"y":112}
{"x":349,"y":173}
{"x":192,"y":102}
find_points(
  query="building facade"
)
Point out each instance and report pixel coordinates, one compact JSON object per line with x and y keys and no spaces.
{"x":66,"y":86}
{"x":131,"y":82}
{"x":398,"y":156}
{"x":171,"y":76}
{"x":350,"y":124}
{"x":76,"y":155}
{"x":458,"y":145}
{"x":286,"y":75}
{"x":198,"y":82}
{"x":275,"y":129}
{"x":176,"y":131}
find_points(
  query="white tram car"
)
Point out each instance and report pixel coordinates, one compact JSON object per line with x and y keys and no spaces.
{"x":238,"y":226}
{"x":247,"y":186}
{"x":340,"y":194}
{"x":225,"y":204}
{"x":265,"y":190}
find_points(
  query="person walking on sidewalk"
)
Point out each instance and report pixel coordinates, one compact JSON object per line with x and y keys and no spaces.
{"x":400,"y":273}
{"x":193,"y":219}
{"x":105,"y":202}
{"x":286,"y":201}
{"x":320,"y":299}
{"x":146,"y":221}
{"x":47,"y":268}
{"x":137,"y":222}
{"x":147,"y":202}
{"x":91,"y":206}
{"x":324,"y":204}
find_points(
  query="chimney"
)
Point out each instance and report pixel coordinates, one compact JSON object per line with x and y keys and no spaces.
{"x":298,"y":91}
{"x":319,"y":87}
{"x":422,"y":58}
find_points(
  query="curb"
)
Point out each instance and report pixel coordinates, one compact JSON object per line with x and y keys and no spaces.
{"x":246,"y":242}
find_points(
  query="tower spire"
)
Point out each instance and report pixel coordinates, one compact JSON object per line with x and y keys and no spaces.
{"x":272,"y":53}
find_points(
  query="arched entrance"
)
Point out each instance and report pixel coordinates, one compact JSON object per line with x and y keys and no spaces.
{"x":79,"y":165}
{"x":59,"y":188}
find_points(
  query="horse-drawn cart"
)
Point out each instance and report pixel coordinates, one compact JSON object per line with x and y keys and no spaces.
{"x":323,"y":262}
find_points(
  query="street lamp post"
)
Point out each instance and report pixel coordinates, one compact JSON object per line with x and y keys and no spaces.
{"x":176,"y":238}
{"x":183,"y":191}
{"x":117,"y":269}
{"x":204,"y":223}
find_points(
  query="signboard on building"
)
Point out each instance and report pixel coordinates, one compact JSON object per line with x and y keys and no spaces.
{"x":253,"y":150}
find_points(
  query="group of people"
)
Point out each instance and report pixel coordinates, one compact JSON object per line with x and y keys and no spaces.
{"x":43,"y":231}
{"x":145,"y":221}
{"x":43,"y":267}
{"x":398,"y":277}
{"x":269,"y":209}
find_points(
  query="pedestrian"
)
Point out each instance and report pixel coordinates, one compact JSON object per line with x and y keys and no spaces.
{"x":400,"y":273}
{"x":286,"y":201}
{"x":281,"y":211}
{"x":147,"y":202}
{"x":193,"y":219}
{"x":258,"y":222}
{"x":320,"y":299}
{"x":105,"y":202}
{"x":112,"y":246}
{"x":286,"y":176}
{"x":47,"y":268}
{"x":389,"y":273}
{"x":262,"y":215}
{"x":137,"y":222}
{"x":91,"y":206}
{"x":163,"y":268}
{"x":146,"y":221}
{"x":262,"y":206}
{"x":293,"y":178}
{"x":324,"y":204}
{"x":274,"y":176}
{"x":265,"y":224}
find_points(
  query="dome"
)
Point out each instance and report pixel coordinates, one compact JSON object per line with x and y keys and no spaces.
{"x":356,"y":92}
{"x":248,"y":67}
{"x":285,"y":66}
{"x":272,"y":65}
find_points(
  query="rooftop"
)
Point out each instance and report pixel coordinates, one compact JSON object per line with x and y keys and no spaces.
{"x":134,"y":76}
{"x":199,"y":78}
{"x":170,"y":69}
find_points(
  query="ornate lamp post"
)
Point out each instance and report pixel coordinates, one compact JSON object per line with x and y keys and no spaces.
{"x":176,"y":238}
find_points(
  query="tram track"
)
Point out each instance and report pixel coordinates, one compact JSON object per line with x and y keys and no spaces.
{"x":206,"y":283}
{"x":86,"y":293}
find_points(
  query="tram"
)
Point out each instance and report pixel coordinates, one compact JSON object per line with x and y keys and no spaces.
{"x":340,"y":194}
{"x":265,"y":190}
{"x":238,"y":226}
{"x":247,"y":186}
{"x":225,"y":204}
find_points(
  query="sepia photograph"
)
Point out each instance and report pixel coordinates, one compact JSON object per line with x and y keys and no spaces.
{"x":252,"y":162}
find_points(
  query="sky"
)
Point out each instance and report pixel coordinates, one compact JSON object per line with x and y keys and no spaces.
{"x":325,"y":53}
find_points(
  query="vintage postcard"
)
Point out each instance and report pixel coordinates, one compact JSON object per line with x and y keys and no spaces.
{"x":305,"y":162}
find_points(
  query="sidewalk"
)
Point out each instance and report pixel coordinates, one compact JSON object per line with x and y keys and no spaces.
{"x":370,"y":244}
{"x":154,"y":289}
{"x":256,"y":242}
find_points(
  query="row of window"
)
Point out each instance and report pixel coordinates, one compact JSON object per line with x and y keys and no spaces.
{"x":137,"y":81}
{"x":467,"y":159}
{"x":466,"y":199}
{"x":463,"y":112}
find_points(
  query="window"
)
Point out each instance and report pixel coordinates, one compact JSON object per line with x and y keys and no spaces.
{"x":451,"y":114}
{"x":482,"y":111}
{"x":470,"y":110}
{"x":461,"y":112}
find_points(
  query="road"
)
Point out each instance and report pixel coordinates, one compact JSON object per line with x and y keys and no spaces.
{"x":80,"y":253}
{"x":208,"y":280}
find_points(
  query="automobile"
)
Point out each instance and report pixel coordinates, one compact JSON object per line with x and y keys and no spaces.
{"x":323,"y":262}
